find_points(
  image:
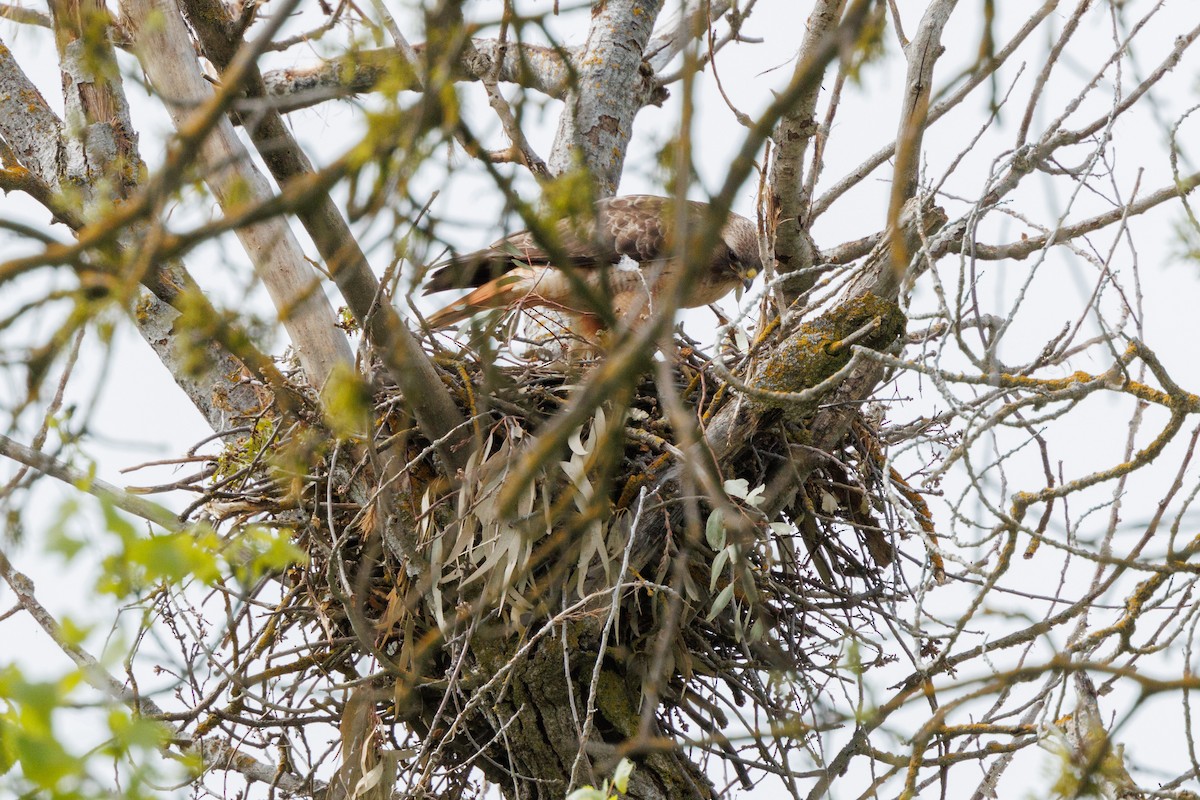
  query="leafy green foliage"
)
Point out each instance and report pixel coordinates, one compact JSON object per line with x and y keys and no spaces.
{"x":569,"y":196}
{"x":241,"y":451}
{"x":258,"y":550}
{"x":144,"y":560}
{"x":348,"y":404}
{"x":40,"y":757}
{"x":870,"y":44}
{"x":611,"y":789}
{"x":198,"y":553}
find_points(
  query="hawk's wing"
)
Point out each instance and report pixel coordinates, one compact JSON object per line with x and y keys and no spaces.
{"x":515,"y":270}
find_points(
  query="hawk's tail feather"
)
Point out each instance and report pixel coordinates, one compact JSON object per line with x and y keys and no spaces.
{"x":455,"y":273}
{"x":499,"y":293}
{"x":470,"y":269}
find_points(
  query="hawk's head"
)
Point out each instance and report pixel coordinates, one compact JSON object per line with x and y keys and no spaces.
{"x":740,"y":237}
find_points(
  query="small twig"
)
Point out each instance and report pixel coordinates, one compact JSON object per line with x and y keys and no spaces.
{"x":215,"y":753}
{"x":314,"y":34}
{"x":24,"y":16}
{"x":609,"y":625}
{"x":108,"y":493}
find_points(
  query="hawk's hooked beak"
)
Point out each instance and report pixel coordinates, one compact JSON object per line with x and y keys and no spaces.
{"x":748,"y":278}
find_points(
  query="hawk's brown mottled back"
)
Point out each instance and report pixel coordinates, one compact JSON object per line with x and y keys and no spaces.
{"x":625,"y":252}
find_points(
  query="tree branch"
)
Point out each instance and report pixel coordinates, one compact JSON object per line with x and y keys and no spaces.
{"x":405,"y":360}
{"x":822,"y":203}
{"x":139,"y":507}
{"x":788,"y":200}
{"x":27,"y":124}
{"x":213,"y":753}
{"x":595,"y":127}
{"x":1031,"y":244}
{"x":543,"y":69}
{"x":35,"y":134}
{"x":24,"y":16}
{"x":922,"y":53}
{"x":680,"y":30}
{"x":293,"y":284}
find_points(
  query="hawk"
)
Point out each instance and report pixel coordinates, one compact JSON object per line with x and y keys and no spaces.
{"x":624,"y":252}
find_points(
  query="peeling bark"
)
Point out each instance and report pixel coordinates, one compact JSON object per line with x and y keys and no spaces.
{"x":102,"y":143}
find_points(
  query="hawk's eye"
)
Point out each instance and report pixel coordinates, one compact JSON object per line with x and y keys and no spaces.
{"x":732,"y":255}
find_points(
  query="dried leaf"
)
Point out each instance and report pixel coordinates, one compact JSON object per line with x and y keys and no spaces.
{"x":368,"y":782}
{"x":719,"y":604}
{"x":737,"y":487}
{"x":718,"y":564}
{"x":575,"y":442}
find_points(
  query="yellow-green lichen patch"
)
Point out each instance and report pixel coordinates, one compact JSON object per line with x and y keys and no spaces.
{"x":810,"y":355}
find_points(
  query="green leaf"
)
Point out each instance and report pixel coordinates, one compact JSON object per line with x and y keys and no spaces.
{"x":719,"y":604}
{"x":28,"y":735}
{"x":717,"y":565}
{"x":714,"y":531}
{"x":43,"y":760}
{"x":116,"y":522}
{"x":258,"y":550}
{"x":59,"y":539}
{"x":8,"y":755}
{"x":621,"y":775}
{"x":348,"y":403}
{"x":172,"y":557}
{"x":131,"y":732}
{"x":586,"y":793}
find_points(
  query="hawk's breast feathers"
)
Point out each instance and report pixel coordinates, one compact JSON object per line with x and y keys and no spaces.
{"x":624,"y":253}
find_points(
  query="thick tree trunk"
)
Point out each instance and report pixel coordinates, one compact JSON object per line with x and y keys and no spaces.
{"x":542,"y":711}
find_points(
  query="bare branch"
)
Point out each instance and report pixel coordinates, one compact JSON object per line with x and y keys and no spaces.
{"x":536,"y":67}
{"x":680,"y":30}
{"x":1032,"y":244}
{"x":789,"y":202}
{"x":106,"y":492}
{"x":36,"y":136}
{"x":214,"y":753}
{"x":406,"y":362}
{"x":922,"y":54}
{"x":24,"y":16}
{"x":879,"y":157}
{"x":279,"y":261}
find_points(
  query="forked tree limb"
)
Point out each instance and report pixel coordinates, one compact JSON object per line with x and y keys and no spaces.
{"x":164,"y":49}
{"x":37,"y":141}
{"x":401,"y":353}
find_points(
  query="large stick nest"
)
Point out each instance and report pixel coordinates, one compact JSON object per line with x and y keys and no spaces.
{"x":404,"y":563}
